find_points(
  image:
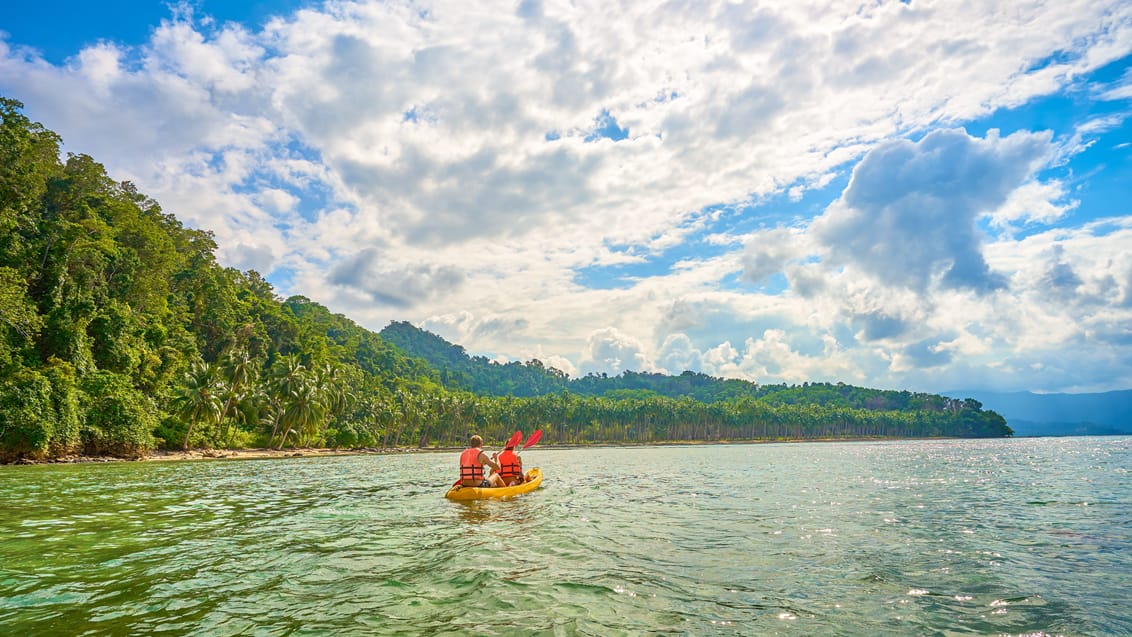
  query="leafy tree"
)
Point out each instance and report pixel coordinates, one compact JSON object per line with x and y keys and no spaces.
{"x":198,"y":401}
{"x":119,"y":419}
{"x":117,"y":321}
{"x":39,"y":413}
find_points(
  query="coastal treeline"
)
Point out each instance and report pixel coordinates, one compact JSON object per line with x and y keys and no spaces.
{"x":120,"y":333}
{"x":650,"y":407}
{"x":480,"y":375}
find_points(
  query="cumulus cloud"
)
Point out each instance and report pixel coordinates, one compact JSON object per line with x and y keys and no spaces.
{"x":611,"y":351}
{"x":678,"y":355}
{"x":767,"y":253}
{"x":1060,"y":279}
{"x":1034,"y":202}
{"x":401,"y":286}
{"x":470,"y":330}
{"x":908,"y":216}
{"x":251,"y":257}
{"x":460,"y":167}
{"x":807,"y":280}
{"x":561,"y":363}
{"x":925,"y":354}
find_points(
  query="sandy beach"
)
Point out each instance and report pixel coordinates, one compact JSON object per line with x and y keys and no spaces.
{"x":229,"y":454}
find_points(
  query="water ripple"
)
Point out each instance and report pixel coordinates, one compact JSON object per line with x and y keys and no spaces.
{"x":938,"y":537}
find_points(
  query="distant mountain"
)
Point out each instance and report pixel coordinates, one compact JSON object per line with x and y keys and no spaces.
{"x":1031,"y":414}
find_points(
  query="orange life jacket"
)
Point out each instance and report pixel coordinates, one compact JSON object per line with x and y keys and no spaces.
{"x":470,"y":466}
{"x":509,"y":465}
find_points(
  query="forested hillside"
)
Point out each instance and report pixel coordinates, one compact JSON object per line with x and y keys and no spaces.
{"x":475,"y":373}
{"x":482,"y":376}
{"x":458,"y":371}
{"x":120,"y":332}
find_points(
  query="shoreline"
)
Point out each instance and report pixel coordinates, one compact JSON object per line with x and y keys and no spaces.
{"x":263,"y":453}
{"x":161,"y":455}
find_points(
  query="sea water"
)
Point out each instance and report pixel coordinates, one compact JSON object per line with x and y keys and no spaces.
{"x":946,"y":537}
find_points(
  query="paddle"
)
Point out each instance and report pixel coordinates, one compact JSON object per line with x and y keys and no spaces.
{"x":535,"y":437}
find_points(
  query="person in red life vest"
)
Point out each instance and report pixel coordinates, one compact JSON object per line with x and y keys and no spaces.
{"x":472,"y":461}
{"x":510,"y":467}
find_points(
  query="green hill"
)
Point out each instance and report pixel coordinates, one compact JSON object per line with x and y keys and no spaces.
{"x":459,"y":371}
{"x":477,"y":374}
{"x":120,"y":332}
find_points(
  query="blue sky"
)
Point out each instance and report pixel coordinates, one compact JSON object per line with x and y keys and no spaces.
{"x":910,"y":195}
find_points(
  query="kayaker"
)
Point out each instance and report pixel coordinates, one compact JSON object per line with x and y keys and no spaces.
{"x":510,"y":467}
{"x":472,"y":461}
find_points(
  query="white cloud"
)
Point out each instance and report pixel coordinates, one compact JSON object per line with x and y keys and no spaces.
{"x":610,"y":351}
{"x":678,"y":355}
{"x":908,"y":215}
{"x":1034,"y":202}
{"x":444,"y":164}
{"x":768,"y":253}
{"x":390,"y":283}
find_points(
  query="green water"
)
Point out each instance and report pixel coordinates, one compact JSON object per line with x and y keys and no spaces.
{"x":1005,"y":537}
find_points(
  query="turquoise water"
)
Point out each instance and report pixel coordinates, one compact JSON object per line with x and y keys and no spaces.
{"x":1002,"y":537}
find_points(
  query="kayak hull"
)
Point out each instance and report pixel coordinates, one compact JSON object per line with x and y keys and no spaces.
{"x":457,"y":492}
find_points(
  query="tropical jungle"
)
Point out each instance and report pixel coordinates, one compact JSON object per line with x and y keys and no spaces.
{"x":120,"y":334}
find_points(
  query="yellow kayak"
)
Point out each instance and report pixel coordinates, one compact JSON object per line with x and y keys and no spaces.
{"x":533,"y":479}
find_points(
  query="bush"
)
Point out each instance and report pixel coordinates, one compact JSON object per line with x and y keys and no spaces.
{"x":243,"y":440}
{"x":120,"y":420}
{"x":39,"y":414}
{"x":27,"y":423}
{"x":169,"y":433}
{"x":344,"y":437}
{"x":68,"y":412}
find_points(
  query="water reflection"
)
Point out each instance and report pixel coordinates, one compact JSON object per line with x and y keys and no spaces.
{"x":473,"y":511}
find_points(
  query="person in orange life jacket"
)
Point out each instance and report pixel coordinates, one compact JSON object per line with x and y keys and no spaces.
{"x":510,"y":467}
{"x":472,"y":461}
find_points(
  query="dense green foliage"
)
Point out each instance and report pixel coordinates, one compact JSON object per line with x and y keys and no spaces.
{"x":629,"y":406}
{"x":475,"y":374}
{"x":119,"y":332}
{"x":480,"y":376}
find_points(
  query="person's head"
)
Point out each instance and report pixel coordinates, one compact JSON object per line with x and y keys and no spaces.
{"x":476,"y":441}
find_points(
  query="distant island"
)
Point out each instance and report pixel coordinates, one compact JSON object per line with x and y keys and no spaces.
{"x":121,"y":334}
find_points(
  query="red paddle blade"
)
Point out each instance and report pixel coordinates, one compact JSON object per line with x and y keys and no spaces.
{"x":535,"y":437}
{"x":515,"y":439}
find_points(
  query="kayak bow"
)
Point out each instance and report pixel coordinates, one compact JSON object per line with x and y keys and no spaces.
{"x":457,"y":492}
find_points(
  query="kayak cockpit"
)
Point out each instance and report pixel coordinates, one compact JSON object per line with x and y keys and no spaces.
{"x":533,"y":478}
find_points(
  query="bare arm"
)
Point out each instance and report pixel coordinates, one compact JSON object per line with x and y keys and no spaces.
{"x":485,"y":459}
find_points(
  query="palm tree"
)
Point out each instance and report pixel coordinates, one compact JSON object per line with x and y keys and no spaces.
{"x":285,"y":377}
{"x":239,"y":370}
{"x":199,"y":399}
{"x":335,"y":396}
{"x":303,"y":411}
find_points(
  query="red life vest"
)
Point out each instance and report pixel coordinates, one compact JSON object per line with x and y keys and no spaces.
{"x":470,"y":466}
{"x":509,"y":466}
